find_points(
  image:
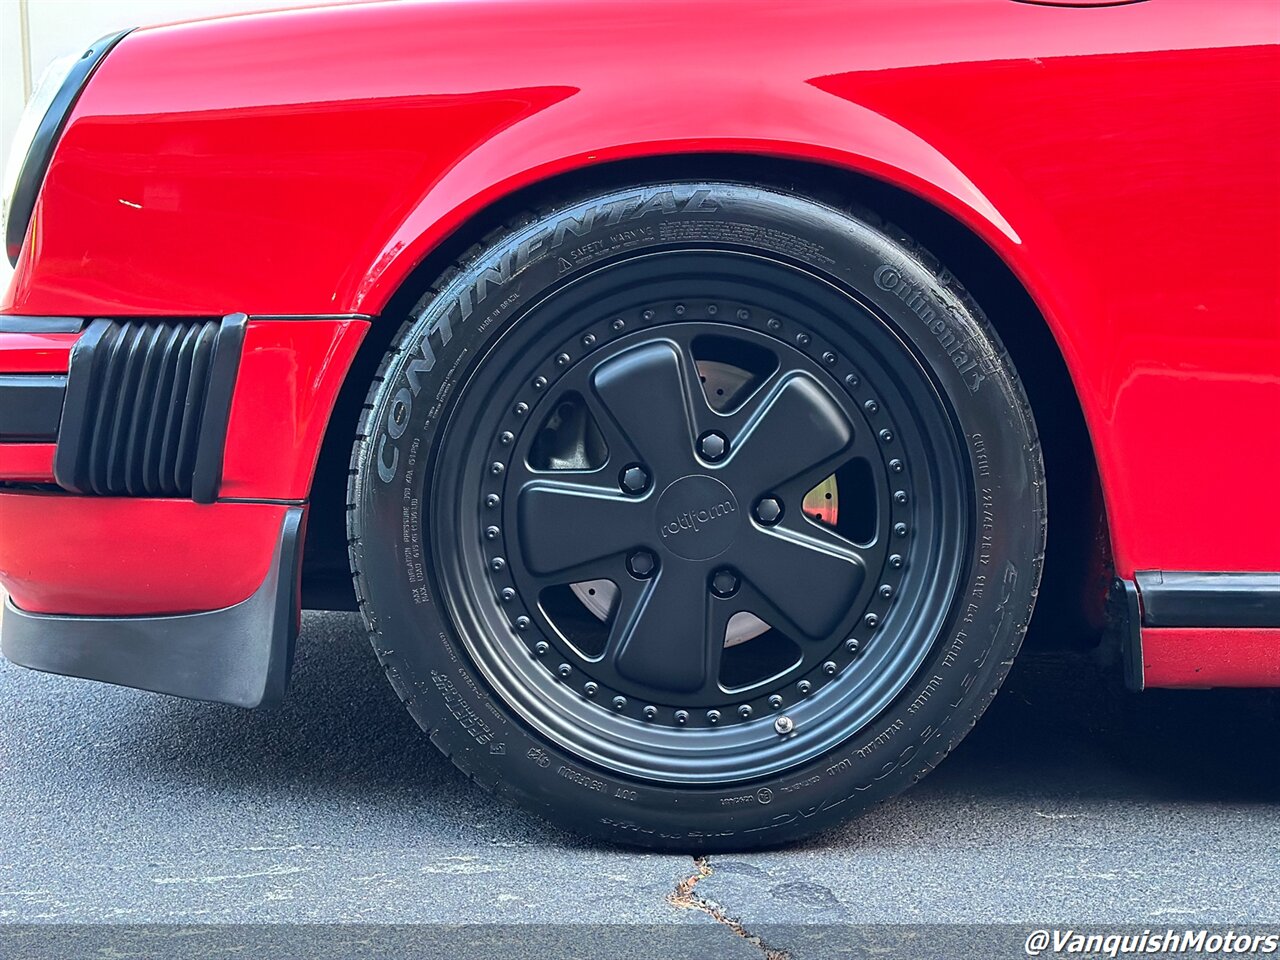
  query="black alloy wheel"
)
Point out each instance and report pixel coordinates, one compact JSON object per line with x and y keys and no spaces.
{"x":713,"y":512}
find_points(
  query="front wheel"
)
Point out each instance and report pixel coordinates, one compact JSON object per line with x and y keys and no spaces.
{"x":697,"y":515}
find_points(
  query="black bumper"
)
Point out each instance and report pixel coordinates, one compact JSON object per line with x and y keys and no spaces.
{"x":239,"y":655}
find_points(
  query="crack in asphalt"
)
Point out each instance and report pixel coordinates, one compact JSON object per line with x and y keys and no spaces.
{"x":686,"y":897}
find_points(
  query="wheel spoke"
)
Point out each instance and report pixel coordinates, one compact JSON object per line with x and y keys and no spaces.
{"x":660,"y":639}
{"x":648,"y":394}
{"x":564,"y":525}
{"x":809,"y":580}
{"x":794,"y":429}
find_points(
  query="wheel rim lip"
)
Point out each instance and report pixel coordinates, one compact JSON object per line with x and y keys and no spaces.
{"x":746,"y":751}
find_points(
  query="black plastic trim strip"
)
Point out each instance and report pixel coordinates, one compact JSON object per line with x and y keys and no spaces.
{"x":241,"y":655}
{"x":1190,"y":599}
{"x":12,"y":324}
{"x":77,"y":412}
{"x":30,"y":406}
{"x":207,"y":477}
{"x":40,"y":152}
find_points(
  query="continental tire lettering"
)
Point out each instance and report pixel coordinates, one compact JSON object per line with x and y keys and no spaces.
{"x":496,"y":274}
{"x":398,"y":415}
{"x":387,"y":471}
{"x":962,"y":353}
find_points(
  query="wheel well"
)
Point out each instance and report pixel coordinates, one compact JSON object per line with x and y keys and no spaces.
{"x":1074,"y":579}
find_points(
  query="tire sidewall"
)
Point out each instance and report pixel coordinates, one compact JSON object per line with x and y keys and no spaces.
{"x":427,"y":661}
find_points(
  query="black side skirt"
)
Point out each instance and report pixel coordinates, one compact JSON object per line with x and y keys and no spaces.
{"x":1177,"y":599}
{"x":239,"y":655}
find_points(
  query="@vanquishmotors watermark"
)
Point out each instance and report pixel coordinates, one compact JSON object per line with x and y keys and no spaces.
{"x":1203,"y":942}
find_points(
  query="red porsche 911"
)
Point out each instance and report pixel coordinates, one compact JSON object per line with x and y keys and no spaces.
{"x":695,"y":398}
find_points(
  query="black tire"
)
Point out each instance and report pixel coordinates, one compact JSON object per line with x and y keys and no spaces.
{"x":879,"y":348}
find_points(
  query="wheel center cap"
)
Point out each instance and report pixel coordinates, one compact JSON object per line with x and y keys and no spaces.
{"x":697,"y":517}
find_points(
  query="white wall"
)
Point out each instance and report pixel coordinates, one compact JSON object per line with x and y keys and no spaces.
{"x":33,"y":33}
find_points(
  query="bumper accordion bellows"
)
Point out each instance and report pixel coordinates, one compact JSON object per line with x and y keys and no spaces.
{"x":146,"y":407}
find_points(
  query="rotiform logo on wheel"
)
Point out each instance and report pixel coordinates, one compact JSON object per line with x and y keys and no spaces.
{"x":695,"y":520}
{"x":697,"y":517}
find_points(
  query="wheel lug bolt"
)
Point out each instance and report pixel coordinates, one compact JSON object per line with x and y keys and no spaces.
{"x":619,"y":702}
{"x":682,"y":717}
{"x":900,"y":529}
{"x":491,"y":533}
{"x":744,"y":711}
{"x":775,"y":701}
{"x":564,"y":670}
{"x":650,"y":712}
{"x":496,"y":564}
{"x":871,"y":406}
{"x":541,"y":647}
{"x":506,"y":437}
{"x":634,"y":480}
{"x":804,"y":686}
{"x":563,"y":360}
{"x":496,"y":468}
{"x":642,"y":564}
{"x":851,"y":645}
{"x":539,"y":382}
{"x":492,"y":500}
{"x":886,"y":591}
{"x":895,"y":466}
{"x":590,"y":688}
{"x":895,"y":561}
{"x":724,"y":583}
{"x":829,"y":668}
{"x":508,"y":594}
{"x":886,"y":436}
{"x":522,"y":623}
{"x":783,"y":725}
{"x":769,"y":511}
{"x":871,"y":620}
{"x":713,"y":716}
{"x":713,"y":445}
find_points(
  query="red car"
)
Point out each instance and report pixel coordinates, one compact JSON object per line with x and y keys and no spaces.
{"x":695,"y":391}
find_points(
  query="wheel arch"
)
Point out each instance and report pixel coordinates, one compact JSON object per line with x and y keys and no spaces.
{"x":1074,"y":582}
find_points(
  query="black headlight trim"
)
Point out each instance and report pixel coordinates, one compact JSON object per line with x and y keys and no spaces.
{"x":39,"y":153}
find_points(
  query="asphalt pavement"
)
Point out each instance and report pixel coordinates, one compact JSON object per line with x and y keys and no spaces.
{"x":1071,"y":801}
